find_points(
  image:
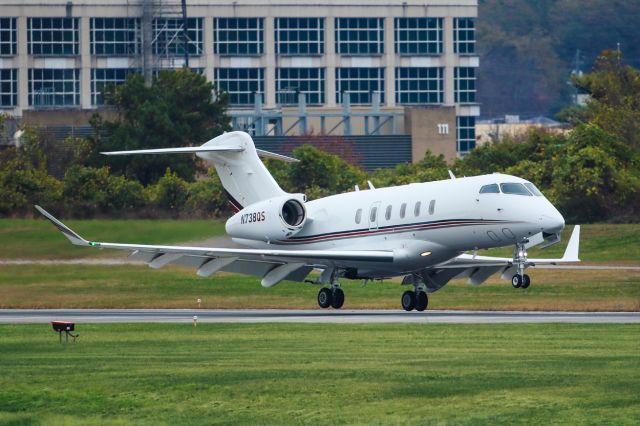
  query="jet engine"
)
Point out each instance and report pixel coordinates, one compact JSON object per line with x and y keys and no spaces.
{"x":274,"y":219}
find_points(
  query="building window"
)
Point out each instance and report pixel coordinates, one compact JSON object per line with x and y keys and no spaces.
{"x":7,"y":36}
{"x":241,"y":83}
{"x":418,"y":36}
{"x":103,"y":77}
{"x":466,"y":134}
{"x":291,"y":81}
{"x":8,"y":88}
{"x":168,"y":39}
{"x":464,"y":35}
{"x":238,"y":36}
{"x":360,"y":36}
{"x":52,"y":36}
{"x":465,"y":85}
{"x":299,"y":36}
{"x":115,"y":36}
{"x":54,"y":87}
{"x":359,"y":83}
{"x":419,"y":86}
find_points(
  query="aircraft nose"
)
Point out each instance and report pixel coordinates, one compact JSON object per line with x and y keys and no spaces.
{"x":552,"y":222}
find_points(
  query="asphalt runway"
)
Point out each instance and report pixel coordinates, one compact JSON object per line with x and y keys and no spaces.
{"x":35,"y":316}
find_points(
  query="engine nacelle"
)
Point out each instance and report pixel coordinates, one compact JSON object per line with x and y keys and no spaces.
{"x":274,"y":219}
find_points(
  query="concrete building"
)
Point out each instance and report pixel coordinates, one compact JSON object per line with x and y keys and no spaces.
{"x":279,"y":61}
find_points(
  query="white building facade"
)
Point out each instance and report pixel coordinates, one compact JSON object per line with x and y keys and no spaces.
{"x":59,"y":55}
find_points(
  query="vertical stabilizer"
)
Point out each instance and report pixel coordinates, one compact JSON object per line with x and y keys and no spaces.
{"x":243,"y":175}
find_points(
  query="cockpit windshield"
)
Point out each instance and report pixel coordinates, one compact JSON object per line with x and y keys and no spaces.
{"x":535,"y":191}
{"x":514,"y":188}
{"x":490,"y":189}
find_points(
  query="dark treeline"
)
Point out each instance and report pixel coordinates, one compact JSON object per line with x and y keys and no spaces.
{"x":528,"y":49}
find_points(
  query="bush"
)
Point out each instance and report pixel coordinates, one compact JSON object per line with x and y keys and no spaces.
{"x":88,"y":191}
{"x":169,"y":193}
{"x":206,"y":198}
{"x":20,"y":189}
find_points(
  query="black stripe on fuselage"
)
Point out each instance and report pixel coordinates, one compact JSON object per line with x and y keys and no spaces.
{"x":416,"y":226}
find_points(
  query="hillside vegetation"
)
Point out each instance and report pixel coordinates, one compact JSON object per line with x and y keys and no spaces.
{"x":528,"y":49}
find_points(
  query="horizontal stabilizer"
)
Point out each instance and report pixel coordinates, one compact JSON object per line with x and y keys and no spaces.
{"x":201,"y":149}
{"x":183,"y":150}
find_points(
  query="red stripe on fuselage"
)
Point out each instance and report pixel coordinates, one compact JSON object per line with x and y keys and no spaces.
{"x":388,"y":230}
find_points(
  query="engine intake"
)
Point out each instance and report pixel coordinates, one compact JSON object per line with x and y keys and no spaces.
{"x":293,"y":213}
{"x":269,"y":220}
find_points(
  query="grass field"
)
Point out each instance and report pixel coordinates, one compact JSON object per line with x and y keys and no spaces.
{"x":39,"y":239}
{"x":316,"y":374}
{"x":83,"y":286}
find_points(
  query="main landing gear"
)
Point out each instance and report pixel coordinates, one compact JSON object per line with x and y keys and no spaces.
{"x":416,"y":299}
{"x":520,"y":279}
{"x":333,"y":296}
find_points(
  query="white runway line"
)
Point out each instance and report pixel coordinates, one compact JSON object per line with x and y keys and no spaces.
{"x":35,"y":316}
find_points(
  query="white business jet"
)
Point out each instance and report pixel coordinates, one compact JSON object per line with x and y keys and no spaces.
{"x":420,"y":231}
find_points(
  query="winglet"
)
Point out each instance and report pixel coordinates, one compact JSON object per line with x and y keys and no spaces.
{"x":71,"y":235}
{"x":571,"y":252}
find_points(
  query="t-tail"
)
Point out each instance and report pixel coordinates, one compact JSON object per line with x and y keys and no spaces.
{"x":236,"y":159}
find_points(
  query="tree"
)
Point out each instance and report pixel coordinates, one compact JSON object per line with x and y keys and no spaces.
{"x":614,"y":90}
{"x":180,"y":108}
{"x":317,"y":173}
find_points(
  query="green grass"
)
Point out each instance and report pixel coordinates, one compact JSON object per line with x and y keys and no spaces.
{"x":599,"y":243}
{"x":39,"y":239}
{"x":78,"y":286}
{"x":319,"y":374}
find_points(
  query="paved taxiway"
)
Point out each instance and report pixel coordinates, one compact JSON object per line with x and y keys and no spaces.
{"x":26,"y":316}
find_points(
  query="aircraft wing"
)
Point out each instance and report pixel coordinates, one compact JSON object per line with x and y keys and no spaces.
{"x":477,"y":269}
{"x":272,"y":265}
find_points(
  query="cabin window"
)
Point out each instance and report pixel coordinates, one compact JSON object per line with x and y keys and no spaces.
{"x":387,"y":214}
{"x":403,"y":210}
{"x":432,"y":206}
{"x":416,"y":209}
{"x":490,"y":189}
{"x":372,"y":214}
{"x":514,"y":189}
{"x":358,"y":215}
{"x":535,"y":191}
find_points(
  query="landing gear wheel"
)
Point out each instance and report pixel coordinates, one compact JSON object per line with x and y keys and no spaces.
{"x":526,"y":281}
{"x":516,"y":281}
{"x":421,"y":301}
{"x":408,"y":300}
{"x":337,"y":298}
{"x":324,"y":297}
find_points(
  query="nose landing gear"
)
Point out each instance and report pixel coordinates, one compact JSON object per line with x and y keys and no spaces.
{"x":520,"y":279}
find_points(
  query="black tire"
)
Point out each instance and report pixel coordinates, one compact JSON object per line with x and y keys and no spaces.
{"x":337,"y":298}
{"x":516,"y":281}
{"x":324,"y":297}
{"x":408,"y":300}
{"x":422,"y":301}
{"x":526,"y":281}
